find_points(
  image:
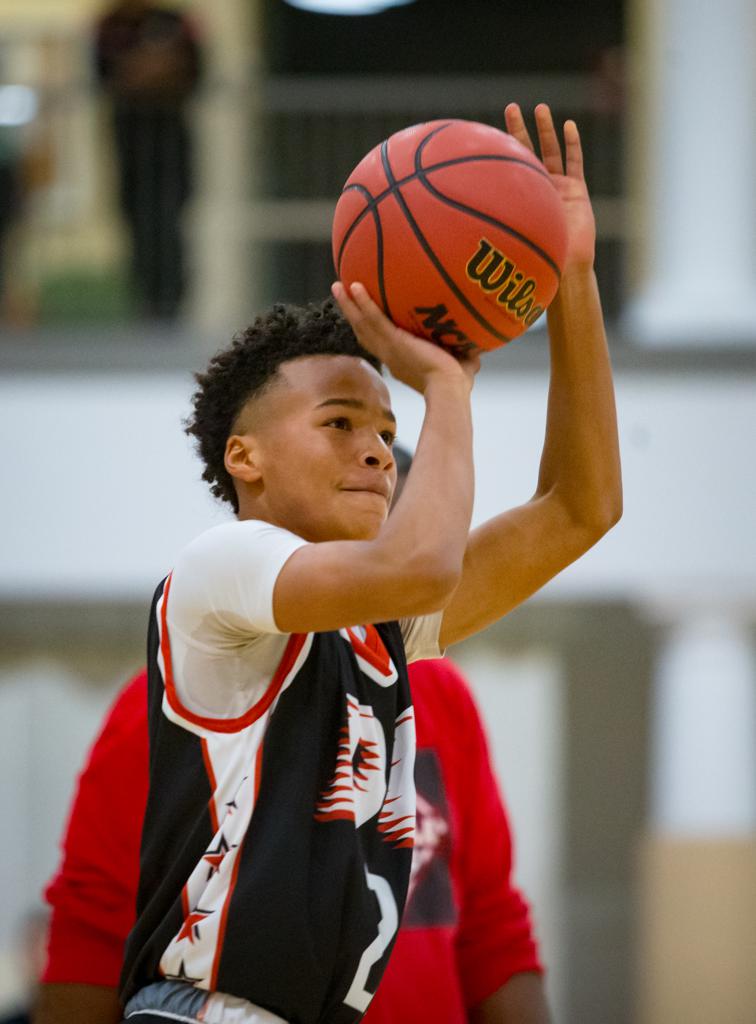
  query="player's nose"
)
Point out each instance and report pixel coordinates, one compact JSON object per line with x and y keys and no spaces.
{"x":376,"y":454}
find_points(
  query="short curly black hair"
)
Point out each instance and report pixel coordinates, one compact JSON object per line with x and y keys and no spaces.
{"x":249,"y":364}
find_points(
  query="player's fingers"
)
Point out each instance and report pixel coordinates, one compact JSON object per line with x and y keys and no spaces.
{"x":371,"y":316}
{"x":346,"y":303}
{"x":551,"y":151}
{"x":366,"y":319}
{"x":573,"y":150}
{"x":516,"y":126}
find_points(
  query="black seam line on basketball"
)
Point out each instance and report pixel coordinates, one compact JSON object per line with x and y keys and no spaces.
{"x":431,"y":254}
{"x":463,"y":208}
{"x":506,"y":228}
{"x":435,"y":131}
{"x":379,"y":250}
{"x":374,"y":201}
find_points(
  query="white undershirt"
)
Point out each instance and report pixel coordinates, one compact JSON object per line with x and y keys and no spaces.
{"x":225,"y":644}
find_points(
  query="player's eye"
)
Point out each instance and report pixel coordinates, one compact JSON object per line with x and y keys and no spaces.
{"x":388,"y":437}
{"x":340,"y":423}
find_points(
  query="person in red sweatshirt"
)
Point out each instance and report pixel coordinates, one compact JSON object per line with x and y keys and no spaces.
{"x":465,"y":950}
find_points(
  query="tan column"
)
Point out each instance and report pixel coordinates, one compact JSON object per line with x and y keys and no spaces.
{"x":697,"y":942}
{"x":223,"y":296}
{"x":692,"y":151}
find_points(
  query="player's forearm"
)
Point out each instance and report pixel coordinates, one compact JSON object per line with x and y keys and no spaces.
{"x":522,"y":1000}
{"x":431,"y":521}
{"x":76,"y":1004}
{"x":413,"y":566}
{"x":580,"y":464}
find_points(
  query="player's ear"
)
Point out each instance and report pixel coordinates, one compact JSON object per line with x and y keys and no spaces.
{"x":241,"y":459}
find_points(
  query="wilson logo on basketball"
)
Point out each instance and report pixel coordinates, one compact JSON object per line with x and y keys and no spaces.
{"x":492,"y":271}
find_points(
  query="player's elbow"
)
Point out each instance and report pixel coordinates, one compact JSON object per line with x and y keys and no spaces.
{"x":445,"y":581}
{"x":431,"y":582}
{"x":582,"y":523}
{"x":596,"y":522}
{"x":609,"y":511}
{"x":614,"y":513}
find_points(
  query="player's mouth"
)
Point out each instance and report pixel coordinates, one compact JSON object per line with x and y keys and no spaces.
{"x":381,"y":492}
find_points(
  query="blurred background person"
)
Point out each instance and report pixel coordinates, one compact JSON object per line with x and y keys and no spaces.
{"x":148,"y":62}
{"x":24,"y":167}
{"x":10,"y":207}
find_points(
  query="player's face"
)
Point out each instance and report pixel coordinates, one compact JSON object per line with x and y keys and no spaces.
{"x":323,"y":434}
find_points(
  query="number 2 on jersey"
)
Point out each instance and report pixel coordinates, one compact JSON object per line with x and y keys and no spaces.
{"x":358,"y":997}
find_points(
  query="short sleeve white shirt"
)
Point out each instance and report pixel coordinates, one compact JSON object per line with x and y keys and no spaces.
{"x":225,"y":643}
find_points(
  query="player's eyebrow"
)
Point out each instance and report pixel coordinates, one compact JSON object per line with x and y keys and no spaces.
{"x":355,"y":403}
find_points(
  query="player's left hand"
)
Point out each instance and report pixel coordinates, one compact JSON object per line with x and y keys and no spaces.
{"x":566,"y":174}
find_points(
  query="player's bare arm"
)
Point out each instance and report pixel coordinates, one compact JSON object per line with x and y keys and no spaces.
{"x":75,"y":1004}
{"x":521,"y":1000}
{"x":579,"y":493}
{"x":406,"y":569}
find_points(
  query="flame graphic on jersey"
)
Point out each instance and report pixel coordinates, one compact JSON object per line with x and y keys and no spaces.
{"x":396,"y":822}
{"x":358,"y":785}
{"x":357,"y":791}
{"x":337,"y":801}
{"x":399,"y":829}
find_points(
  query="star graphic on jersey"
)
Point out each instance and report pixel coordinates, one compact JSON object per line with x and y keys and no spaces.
{"x":182,"y":975}
{"x":215,"y":857}
{"x":190,"y":927}
{"x":231,"y":805}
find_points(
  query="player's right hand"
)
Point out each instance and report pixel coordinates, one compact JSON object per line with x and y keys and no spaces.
{"x":567,"y":176}
{"x":414,"y":361}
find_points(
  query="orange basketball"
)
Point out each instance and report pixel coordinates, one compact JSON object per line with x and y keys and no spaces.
{"x":456,"y":230}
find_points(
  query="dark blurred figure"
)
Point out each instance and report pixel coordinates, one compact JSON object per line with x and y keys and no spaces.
{"x":10,"y":204}
{"x":148,"y":60}
{"x":31,"y":955}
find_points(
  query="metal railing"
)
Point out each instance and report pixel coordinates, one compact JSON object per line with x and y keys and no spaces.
{"x":312,"y":132}
{"x":305,"y":136}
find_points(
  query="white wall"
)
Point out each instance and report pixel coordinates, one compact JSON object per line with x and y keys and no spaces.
{"x":102,"y":488}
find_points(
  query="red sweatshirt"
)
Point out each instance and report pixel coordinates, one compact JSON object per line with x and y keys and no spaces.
{"x":465,"y":931}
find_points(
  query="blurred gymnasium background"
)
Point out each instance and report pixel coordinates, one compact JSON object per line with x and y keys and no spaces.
{"x":621,"y":701}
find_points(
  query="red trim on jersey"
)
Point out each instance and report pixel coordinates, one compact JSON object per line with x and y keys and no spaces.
{"x":258,"y":772}
{"x":372,"y":649}
{"x":224,"y":917}
{"x":213,"y":784}
{"x":290,"y":655}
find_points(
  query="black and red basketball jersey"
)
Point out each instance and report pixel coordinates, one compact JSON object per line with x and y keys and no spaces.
{"x":277,"y":845}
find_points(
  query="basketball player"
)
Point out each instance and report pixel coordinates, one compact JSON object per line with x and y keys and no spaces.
{"x":465,"y":949}
{"x":289,"y":913}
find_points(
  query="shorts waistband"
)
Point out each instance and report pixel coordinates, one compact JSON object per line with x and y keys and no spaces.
{"x":177,"y":1001}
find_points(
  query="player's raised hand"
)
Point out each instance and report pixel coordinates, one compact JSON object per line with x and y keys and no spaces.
{"x":567,"y":175}
{"x":413,"y":361}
